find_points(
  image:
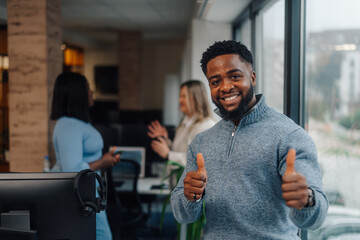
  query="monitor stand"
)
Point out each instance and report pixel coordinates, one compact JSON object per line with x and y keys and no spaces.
{"x":17,"y":234}
{"x":15,"y":225}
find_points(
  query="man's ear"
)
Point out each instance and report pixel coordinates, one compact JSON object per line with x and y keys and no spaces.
{"x":253,"y":78}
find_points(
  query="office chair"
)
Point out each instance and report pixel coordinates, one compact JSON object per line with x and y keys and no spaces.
{"x":124,"y":210}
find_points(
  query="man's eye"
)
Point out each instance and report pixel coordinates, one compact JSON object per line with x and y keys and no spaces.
{"x":236,"y":76}
{"x":215,"y":82}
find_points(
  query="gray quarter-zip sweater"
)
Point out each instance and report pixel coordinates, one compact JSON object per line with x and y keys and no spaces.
{"x":245,"y":164}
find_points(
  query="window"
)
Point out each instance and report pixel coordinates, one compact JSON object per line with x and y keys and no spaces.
{"x":330,"y":104}
{"x":332,"y":98}
{"x":243,"y":33}
{"x":269,"y":65}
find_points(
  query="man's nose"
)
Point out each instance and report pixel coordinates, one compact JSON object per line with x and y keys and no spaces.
{"x":226,"y":85}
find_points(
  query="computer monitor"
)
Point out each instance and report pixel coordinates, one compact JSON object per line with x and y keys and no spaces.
{"x":136,"y":154}
{"x":45,"y":206}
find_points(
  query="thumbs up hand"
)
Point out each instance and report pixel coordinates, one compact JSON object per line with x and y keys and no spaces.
{"x":290,"y":162}
{"x":294,"y":187}
{"x":195,"y":181}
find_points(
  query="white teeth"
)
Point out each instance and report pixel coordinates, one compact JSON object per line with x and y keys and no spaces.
{"x":230,"y":98}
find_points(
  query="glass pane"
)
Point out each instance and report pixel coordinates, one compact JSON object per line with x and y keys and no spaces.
{"x":270,"y":54}
{"x":243,"y":33}
{"x":332,"y":81}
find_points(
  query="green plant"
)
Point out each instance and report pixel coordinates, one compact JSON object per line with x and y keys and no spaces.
{"x":194,"y":230}
{"x":351,"y":121}
{"x":317,"y":110}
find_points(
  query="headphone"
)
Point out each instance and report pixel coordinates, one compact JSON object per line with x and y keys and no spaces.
{"x":89,"y":208}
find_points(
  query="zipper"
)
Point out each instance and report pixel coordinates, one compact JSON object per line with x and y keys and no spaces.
{"x":231,"y":140}
{"x":235,"y":127}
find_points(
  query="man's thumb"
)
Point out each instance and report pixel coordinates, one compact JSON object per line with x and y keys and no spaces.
{"x":201,"y":163}
{"x":290,"y":161}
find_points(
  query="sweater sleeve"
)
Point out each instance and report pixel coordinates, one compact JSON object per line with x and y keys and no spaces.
{"x":185,"y":211}
{"x":306,"y":163}
{"x":69,"y":147}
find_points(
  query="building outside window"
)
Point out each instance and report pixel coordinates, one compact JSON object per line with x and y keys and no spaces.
{"x":270,"y":27}
{"x":332,"y":97}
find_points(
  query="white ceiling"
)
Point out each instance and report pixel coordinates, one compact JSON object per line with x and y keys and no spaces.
{"x":224,"y":11}
{"x":90,"y":22}
{"x":102,"y":19}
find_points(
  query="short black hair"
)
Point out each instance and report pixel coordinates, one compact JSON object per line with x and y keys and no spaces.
{"x":70,"y":97}
{"x":225,"y":47}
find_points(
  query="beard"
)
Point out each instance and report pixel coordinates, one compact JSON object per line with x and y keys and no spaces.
{"x":240,"y":110}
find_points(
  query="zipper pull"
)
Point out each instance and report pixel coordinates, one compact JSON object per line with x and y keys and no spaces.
{"x":233,"y":133}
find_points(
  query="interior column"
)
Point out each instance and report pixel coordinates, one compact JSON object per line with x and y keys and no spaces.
{"x":129,"y":70}
{"x":35,"y":59}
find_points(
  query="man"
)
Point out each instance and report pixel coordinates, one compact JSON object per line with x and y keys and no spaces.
{"x":241,"y":171}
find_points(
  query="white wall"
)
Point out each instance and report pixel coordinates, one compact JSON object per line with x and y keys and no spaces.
{"x":185,"y":69}
{"x":171,"y":115}
{"x":202,"y":34}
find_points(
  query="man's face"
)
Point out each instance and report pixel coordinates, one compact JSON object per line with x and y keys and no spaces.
{"x":231,"y":84}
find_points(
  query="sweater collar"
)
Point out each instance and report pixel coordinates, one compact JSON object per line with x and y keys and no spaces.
{"x":254,"y":114}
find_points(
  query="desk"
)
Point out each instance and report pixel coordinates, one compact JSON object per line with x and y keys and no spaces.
{"x":144,"y":186}
{"x":146,"y":194}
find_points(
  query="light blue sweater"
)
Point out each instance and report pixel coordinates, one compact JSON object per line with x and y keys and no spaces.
{"x":243,"y":193}
{"x":76,"y":144}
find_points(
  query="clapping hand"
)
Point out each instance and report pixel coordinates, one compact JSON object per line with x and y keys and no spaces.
{"x":161,"y":147}
{"x":157,"y":130}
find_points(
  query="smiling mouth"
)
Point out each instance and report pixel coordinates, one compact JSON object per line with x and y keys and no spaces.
{"x":228,"y":99}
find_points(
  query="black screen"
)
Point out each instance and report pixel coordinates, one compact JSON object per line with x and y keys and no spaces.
{"x":54,"y":207}
{"x":106,"y":79}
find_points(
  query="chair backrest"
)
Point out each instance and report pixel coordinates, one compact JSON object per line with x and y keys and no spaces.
{"x":132,"y":135}
{"x":124,"y":206}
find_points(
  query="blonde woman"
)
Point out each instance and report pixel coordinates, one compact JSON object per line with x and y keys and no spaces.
{"x":197,"y":118}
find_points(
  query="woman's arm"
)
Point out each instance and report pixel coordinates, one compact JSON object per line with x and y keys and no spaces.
{"x":107,"y":160}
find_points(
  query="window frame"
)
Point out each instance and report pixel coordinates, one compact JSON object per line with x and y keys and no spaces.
{"x":294,"y":56}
